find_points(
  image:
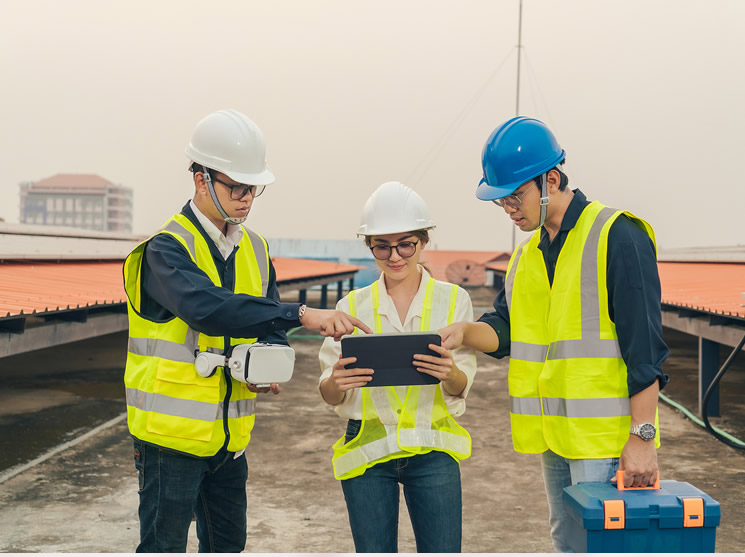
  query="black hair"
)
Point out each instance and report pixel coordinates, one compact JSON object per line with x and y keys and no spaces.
{"x":194,"y":168}
{"x":421,"y":234}
{"x":564,"y":179}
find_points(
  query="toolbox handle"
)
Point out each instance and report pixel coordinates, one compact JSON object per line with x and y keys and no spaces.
{"x":620,"y":486}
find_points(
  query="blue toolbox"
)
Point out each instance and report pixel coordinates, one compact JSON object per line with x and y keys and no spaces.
{"x":674,"y":518}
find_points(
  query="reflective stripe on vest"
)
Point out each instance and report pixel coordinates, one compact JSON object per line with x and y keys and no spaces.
{"x":194,"y":409}
{"x":168,"y":404}
{"x":534,"y":417}
{"x":590,"y":345}
{"x":587,"y":407}
{"x":402,"y":429}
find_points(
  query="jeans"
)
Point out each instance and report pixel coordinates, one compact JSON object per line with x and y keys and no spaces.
{"x":175,"y":487}
{"x":560,"y":472}
{"x":431,"y":484}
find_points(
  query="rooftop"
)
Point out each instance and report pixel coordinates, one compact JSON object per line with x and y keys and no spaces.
{"x":82,"y":181}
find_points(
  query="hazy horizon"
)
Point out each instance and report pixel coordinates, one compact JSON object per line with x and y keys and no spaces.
{"x":645,"y":97}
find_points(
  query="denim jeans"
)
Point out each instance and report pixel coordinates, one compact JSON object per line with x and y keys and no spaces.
{"x":431,"y":484}
{"x":560,"y":472}
{"x":175,"y":487}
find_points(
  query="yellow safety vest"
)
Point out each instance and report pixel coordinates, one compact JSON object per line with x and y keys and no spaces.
{"x":392,"y":428}
{"x":567,"y":379}
{"x":168,"y":403}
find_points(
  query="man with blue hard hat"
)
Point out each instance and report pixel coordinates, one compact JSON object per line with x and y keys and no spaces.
{"x":580,"y":319}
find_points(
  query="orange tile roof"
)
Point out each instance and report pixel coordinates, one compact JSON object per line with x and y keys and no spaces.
{"x":41,"y":287}
{"x":445,"y":257}
{"x":461,"y":267}
{"x":712,"y":287}
{"x":498,"y":265}
{"x":291,"y":268}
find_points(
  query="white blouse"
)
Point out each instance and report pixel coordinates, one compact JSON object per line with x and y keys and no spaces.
{"x":465,"y":359}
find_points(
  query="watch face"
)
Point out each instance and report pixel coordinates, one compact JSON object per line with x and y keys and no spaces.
{"x":647,"y":432}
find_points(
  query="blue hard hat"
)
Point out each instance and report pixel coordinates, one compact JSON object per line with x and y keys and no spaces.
{"x":516,"y":152}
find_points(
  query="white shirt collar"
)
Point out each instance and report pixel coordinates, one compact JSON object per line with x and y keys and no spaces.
{"x":225,"y":243}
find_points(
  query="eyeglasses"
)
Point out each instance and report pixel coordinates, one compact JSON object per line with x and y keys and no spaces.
{"x":514,"y":200}
{"x":404,"y":249}
{"x":240,"y":191}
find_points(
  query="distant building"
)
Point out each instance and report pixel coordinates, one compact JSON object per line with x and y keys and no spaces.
{"x":78,"y":200}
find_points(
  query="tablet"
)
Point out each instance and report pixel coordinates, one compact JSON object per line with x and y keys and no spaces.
{"x":391,"y":356}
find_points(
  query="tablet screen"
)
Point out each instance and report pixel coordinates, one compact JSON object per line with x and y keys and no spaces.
{"x":391,"y":356}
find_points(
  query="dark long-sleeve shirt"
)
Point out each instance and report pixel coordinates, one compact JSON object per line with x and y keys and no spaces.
{"x":172,"y":284}
{"x":633,"y":284}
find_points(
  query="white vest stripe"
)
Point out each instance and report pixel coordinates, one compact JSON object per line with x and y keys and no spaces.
{"x":587,"y":407}
{"x":368,"y":452}
{"x":584,"y":348}
{"x":262,"y":258}
{"x":163,"y":404}
{"x":383,"y":408}
{"x":510,"y":281}
{"x":177,"y":228}
{"x":160,"y":348}
{"x":590,"y":289}
{"x":434,"y":439}
{"x":527,"y":405}
{"x":424,"y":410}
{"x":240,"y":408}
{"x":528,"y":352}
{"x":364,"y":305}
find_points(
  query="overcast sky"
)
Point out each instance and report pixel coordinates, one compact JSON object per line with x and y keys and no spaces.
{"x":647,"y":97}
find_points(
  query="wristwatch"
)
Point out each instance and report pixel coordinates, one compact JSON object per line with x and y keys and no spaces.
{"x":645,"y":431}
{"x":301,"y":312}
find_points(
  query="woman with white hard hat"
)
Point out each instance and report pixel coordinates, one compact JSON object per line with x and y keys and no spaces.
{"x":401,"y":434}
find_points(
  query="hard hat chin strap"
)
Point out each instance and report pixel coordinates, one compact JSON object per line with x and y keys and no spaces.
{"x":213,"y":194}
{"x":544,"y":198}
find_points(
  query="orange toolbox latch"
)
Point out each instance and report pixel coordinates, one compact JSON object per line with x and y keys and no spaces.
{"x":615,"y":514}
{"x":693,"y":512}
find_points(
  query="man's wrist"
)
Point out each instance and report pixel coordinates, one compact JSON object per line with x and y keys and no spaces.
{"x":646,"y":431}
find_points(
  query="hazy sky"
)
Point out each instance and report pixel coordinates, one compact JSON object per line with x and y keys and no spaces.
{"x":647,"y":97}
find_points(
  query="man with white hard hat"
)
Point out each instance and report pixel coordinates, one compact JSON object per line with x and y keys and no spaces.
{"x":204,"y":284}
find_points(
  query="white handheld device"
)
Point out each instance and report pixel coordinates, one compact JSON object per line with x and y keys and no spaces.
{"x":259,"y":364}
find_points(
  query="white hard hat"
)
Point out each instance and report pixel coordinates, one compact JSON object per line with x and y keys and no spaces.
{"x":392,"y":208}
{"x":229,"y":142}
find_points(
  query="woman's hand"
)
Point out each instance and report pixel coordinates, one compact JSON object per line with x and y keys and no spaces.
{"x":342,"y":380}
{"x":443,"y":368}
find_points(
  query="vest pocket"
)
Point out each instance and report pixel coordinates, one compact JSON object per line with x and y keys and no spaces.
{"x":182,"y":428}
{"x":181,"y":406}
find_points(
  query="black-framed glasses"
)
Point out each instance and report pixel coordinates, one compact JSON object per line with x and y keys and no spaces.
{"x":404,"y":249}
{"x":513,"y":200}
{"x":239,"y":191}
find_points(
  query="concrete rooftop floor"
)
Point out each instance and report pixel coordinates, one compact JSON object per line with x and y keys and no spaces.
{"x":84,"y":498}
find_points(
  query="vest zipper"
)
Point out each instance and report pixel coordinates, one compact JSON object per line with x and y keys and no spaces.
{"x":226,"y":401}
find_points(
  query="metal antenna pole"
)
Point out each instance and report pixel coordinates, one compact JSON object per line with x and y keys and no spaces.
{"x":519,"y":48}
{"x":517,"y":93}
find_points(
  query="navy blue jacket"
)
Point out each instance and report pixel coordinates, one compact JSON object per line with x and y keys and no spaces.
{"x":633,"y":284}
{"x":173,"y":285}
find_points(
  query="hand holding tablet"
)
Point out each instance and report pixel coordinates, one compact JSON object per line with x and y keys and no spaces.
{"x":391,"y":356}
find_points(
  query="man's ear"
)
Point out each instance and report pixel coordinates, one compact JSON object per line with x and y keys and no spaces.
{"x":553,"y":180}
{"x":200,"y":184}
